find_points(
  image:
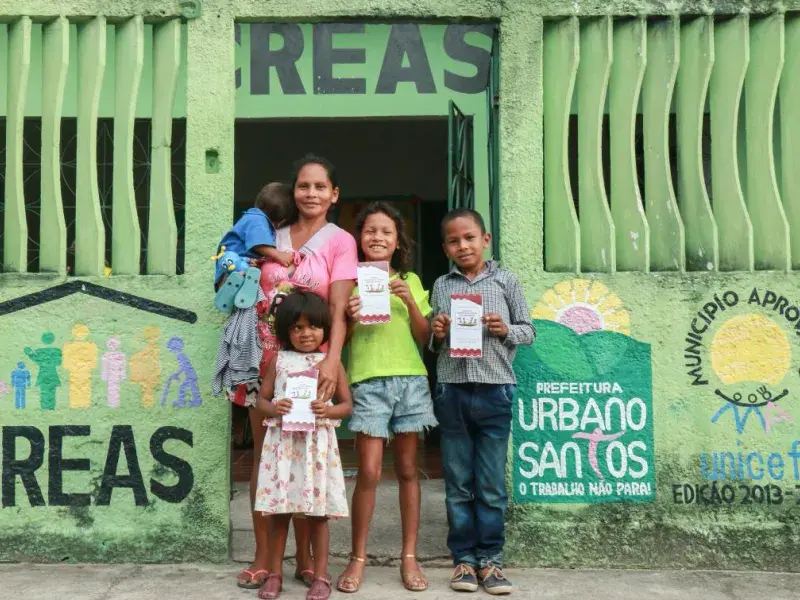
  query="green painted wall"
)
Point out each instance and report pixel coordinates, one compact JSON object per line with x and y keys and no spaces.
{"x":626,"y":330}
{"x":111,"y":390}
{"x":660,"y":308}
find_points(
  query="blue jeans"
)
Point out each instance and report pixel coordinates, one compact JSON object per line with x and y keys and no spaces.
{"x":475,"y":422}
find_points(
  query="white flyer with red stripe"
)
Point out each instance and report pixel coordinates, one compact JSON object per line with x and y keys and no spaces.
{"x":373,"y":288}
{"x":466,"y":326}
{"x":301,"y":389}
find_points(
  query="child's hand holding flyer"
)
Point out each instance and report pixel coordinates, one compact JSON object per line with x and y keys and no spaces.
{"x":301,"y":389}
{"x":373,"y":288}
{"x":466,"y":326}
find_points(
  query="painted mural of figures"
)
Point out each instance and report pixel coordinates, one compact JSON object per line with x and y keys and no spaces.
{"x":20,"y":381}
{"x":80,"y":359}
{"x":146,"y":366}
{"x":4,"y":389}
{"x":47,"y":380}
{"x":113,"y":371}
{"x":185,"y":369}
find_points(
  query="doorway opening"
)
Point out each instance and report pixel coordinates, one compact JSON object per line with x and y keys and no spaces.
{"x":403,"y":161}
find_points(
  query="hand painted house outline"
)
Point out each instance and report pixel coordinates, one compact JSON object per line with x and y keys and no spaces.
{"x":98,"y":291}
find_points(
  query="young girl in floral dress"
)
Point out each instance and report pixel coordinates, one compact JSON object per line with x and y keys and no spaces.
{"x":300,"y":471}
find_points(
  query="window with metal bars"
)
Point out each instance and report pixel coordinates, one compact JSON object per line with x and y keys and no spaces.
{"x":105,"y":160}
{"x":667,"y":143}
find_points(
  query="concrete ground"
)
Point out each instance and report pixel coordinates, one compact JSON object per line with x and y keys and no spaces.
{"x":382,"y":579}
{"x":165,"y":582}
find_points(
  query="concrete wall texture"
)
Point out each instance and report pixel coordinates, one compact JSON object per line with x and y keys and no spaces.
{"x":654,"y":424}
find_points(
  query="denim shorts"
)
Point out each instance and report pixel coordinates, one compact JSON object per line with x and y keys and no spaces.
{"x":384,"y":406}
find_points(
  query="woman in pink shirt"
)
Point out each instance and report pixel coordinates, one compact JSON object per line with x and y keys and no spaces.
{"x":325,"y":263}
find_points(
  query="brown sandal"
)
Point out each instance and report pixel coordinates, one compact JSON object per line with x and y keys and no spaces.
{"x":271,"y":588}
{"x":413,"y":581}
{"x":320,"y":589}
{"x":353,"y":584}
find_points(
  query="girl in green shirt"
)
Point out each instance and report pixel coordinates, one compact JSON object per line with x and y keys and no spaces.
{"x":389,"y":384}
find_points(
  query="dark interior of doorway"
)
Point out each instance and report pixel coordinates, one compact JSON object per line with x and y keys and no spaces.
{"x":400,"y":160}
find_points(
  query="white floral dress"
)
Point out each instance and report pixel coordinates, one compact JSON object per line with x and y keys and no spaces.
{"x":300,"y":471}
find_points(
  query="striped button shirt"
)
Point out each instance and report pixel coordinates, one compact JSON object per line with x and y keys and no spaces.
{"x":501,"y":294}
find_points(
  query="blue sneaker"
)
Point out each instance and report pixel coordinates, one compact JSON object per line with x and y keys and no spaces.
{"x":464,"y":579}
{"x":494,"y":582}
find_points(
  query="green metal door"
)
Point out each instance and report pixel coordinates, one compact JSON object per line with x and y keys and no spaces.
{"x":493,"y":150}
{"x":460,"y":159}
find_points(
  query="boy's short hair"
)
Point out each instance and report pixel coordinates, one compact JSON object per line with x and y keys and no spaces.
{"x":277,"y":202}
{"x":301,"y":304}
{"x":469,"y":213}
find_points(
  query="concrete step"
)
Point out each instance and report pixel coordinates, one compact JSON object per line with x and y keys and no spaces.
{"x":384,"y":544}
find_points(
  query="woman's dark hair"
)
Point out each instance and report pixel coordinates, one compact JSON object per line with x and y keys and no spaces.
{"x":313,"y":159}
{"x":297,"y":305}
{"x":402,"y":259}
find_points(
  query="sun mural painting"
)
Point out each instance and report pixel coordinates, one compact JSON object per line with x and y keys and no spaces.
{"x":583,"y":306}
{"x":751,"y":355}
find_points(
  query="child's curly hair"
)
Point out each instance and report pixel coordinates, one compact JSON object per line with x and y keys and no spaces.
{"x":403,"y":258}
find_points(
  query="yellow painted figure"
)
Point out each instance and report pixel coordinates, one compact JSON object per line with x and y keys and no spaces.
{"x":145,"y":366}
{"x":79,"y":360}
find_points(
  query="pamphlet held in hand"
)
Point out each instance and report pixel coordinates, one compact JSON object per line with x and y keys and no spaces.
{"x":373,"y":288}
{"x":466,"y":326}
{"x":301,"y":389}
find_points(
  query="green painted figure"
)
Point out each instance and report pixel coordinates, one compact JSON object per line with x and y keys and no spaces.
{"x":48,"y":359}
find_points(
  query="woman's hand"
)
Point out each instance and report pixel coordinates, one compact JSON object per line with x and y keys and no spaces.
{"x":400,"y":288}
{"x":328,"y":376}
{"x":283,"y":406}
{"x":354,"y":307}
{"x":320,"y":409}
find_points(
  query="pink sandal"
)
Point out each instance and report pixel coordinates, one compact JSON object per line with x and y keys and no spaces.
{"x":320,"y":589}
{"x":253,"y":581}
{"x":271,"y":588}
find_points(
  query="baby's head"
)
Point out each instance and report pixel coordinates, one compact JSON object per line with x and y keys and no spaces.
{"x":302,"y":322}
{"x":277,"y":202}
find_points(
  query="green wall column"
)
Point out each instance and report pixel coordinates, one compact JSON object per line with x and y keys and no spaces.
{"x":521,"y":120}
{"x":209,"y":139}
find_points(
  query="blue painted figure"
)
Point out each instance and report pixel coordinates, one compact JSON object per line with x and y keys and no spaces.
{"x":185,"y":368}
{"x":20,"y":381}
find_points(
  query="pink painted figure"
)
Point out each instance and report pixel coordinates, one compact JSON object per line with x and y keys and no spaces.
{"x":773,"y":414}
{"x":114,"y":371}
{"x":4,"y":389}
{"x":595,"y":438}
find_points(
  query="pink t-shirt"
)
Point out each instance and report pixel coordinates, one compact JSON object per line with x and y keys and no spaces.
{"x":330,"y":255}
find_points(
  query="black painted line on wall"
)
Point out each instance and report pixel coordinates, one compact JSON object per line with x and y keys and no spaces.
{"x":98,"y":291}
